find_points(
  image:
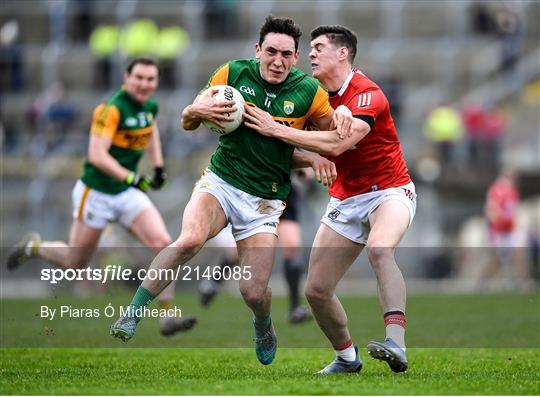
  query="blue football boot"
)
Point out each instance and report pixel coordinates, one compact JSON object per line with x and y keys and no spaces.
{"x":124,"y":328}
{"x":265,"y":343}
{"x":390,"y":352}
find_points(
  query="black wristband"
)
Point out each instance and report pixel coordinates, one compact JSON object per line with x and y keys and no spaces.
{"x":159,"y":171}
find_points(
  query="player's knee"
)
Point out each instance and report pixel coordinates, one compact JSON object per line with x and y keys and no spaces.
{"x":189,"y":242}
{"x":160,"y":242}
{"x":380,"y":256}
{"x":78,"y":258}
{"x":317,"y":294}
{"x":253,"y":296}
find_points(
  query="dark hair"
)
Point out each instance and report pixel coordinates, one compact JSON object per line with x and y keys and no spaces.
{"x":280,"y":25}
{"x":141,"y":60}
{"x":339,"y":36}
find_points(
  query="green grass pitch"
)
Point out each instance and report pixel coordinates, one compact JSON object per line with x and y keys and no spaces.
{"x":458,"y":344}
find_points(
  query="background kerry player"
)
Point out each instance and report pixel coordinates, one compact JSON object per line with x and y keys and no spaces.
{"x":110,"y":189}
{"x":248,"y":176}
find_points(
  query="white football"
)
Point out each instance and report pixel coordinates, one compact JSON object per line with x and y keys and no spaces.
{"x":227,"y":93}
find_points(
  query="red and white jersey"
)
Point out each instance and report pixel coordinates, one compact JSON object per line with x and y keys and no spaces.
{"x":502,"y":205}
{"x":376,"y":162}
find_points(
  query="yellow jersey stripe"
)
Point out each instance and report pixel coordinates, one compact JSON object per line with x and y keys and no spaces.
{"x":105,"y":120}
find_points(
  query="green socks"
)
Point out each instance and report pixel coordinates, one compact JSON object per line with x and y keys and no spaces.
{"x":141,"y":299}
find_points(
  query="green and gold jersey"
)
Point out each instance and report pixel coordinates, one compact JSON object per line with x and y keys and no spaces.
{"x":130,"y":125}
{"x":254,"y":163}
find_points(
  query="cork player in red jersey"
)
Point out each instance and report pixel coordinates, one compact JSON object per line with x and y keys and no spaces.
{"x":373,"y":200}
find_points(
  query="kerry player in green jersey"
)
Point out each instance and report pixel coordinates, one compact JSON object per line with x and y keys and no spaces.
{"x":110,"y":190}
{"x":248,"y":178}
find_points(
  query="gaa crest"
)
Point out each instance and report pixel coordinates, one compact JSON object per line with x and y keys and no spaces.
{"x":288,"y":107}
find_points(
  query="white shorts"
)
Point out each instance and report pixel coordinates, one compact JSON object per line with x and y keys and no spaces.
{"x":96,"y":209}
{"x":247,"y":214}
{"x":350,"y":217}
{"x":513,"y":238}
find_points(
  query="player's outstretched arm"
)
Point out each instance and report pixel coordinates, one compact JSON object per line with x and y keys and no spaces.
{"x":205,"y":108}
{"x":153,"y":150}
{"x":328,"y":143}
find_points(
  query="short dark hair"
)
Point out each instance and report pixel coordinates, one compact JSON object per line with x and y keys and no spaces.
{"x":339,"y":36}
{"x":141,"y":60}
{"x":280,"y":25}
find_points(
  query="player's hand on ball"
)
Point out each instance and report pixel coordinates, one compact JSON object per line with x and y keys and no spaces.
{"x":325,"y":170}
{"x":343,"y":120}
{"x":141,"y":182}
{"x":260,"y":121}
{"x":205,"y":107}
{"x":160,"y":179}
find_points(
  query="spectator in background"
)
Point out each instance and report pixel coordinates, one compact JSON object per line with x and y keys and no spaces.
{"x":82,"y":19}
{"x":473,"y":120}
{"x":506,"y":239}
{"x":502,"y":20}
{"x":172,"y":42}
{"x":221,"y":19}
{"x":60,"y":117}
{"x":103,"y":45}
{"x":484,"y":128}
{"x":2,"y":136}
{"x":11,"y":58}
{"x":481,"y":18}
{"x":391,"y":86}
{"x":494,"y":129}
{"x":52,"y":115}
{"x":444,"y":128}
{"x":533,"y":236}
{"x":501,"y":207}
{"x":509,"y":30}
{"x":138,"y":38}
{"x":58,"y":22}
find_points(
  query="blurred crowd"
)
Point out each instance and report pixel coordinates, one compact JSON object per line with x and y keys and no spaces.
{"x":500,"y":20}
{"x":481,"y":128}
